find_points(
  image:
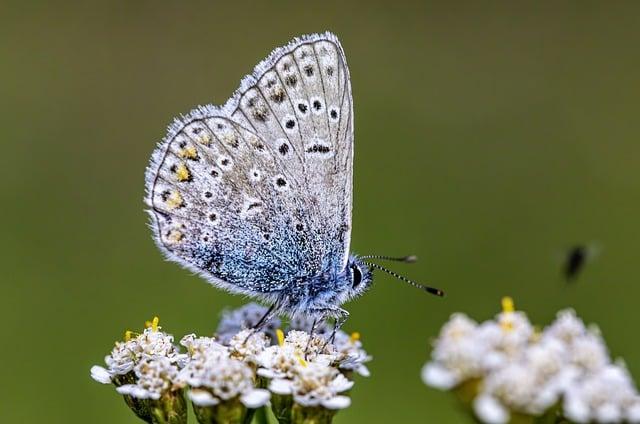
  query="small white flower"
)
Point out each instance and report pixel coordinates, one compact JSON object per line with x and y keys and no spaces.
{"x":459,"y":326}
{"x":589,"y":352}
{"x":199,"y":344}
{"x":519,"y":387}
{"x":100,"y":374}
{"x":123,"y":357}
{"x":314,"y":345}
{"x":155,"y":376}
{"x":601,"y":396}
{"x":547,"y":357}
{"x":228,"y":378}
{"x":220,"y":378}
{"x":566,"y":327}
{"x":508,"y":335}
{"x":196,"y":370}
{"x":349,"y":353}
{"x":458,"y":350}
{"x":280,"y":361}
{"x":315,"y":384}
{"x":154,"y":343}
{"x":247,"y":345}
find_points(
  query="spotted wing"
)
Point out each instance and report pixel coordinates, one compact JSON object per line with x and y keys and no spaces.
{"x":257,"y":193}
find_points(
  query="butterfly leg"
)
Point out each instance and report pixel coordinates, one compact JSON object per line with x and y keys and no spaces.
{"x":340,"y":320}
{"x":271,"y":312}
{"x":313,"y":327}
{"x":340,"y":316}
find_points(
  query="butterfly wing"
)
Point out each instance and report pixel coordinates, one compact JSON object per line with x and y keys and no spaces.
{"x":257,"y":193}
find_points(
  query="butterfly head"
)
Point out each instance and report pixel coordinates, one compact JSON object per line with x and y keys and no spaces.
{"x":358,"y":277}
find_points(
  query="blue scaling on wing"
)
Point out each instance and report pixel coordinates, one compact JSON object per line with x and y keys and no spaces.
{"x":256,"y":195}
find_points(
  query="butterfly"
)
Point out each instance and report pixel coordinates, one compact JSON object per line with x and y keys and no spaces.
{"x":256,"y":195}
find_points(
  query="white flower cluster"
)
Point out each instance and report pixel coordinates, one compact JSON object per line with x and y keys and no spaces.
{"x":301,"y":366}
{"x":154,"y":377}
{"x":240,"y":366}
{"x":215,"y":376}
{"x":148,"y":356}
{"x":512,"y":368}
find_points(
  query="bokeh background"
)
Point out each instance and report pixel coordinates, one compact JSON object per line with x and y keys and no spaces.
{"x":489,"y":138}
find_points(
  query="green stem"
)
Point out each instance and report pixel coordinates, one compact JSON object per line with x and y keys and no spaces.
{"x":261,"y":416}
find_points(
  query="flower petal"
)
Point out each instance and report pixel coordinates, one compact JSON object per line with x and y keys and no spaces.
{"x":633,"y":412}
{"x":608,"y":413}
{"x":137,"y":392}
{"x":100,"y":374}
{"x":489,"y":410}
{"x":202,"y":398}
{"x":280,"y":386}
{"x":268,"y":373}
{"x":575,"y":408}
{"x":435,"y":375}
{"x":255,"y":398}
{"x":363,"y":371}
{"x":337,"y":402}
{"x":341,"y":383}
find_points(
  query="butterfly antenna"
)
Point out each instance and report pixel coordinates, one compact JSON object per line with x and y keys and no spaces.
{"x":428,"y":289}
{"x":407,"y":259}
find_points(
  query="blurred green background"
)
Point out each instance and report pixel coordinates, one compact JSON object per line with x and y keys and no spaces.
{"x":489,"y":139}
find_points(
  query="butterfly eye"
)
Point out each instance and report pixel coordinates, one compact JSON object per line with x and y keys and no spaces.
{"x":357,"y":276}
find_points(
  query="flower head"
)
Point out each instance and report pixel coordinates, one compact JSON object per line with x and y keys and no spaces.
{"x":203,"y":353}
{"x":458,"y":354}
{"x":196,"y":344}
{"x":155,"y":376}
{"x":224,"y":379}
{"x":350,"y":355}
{"x":122,"y":358}
{"x":514,"y":369}
{"x":608,"y":395}
{"x":153,"y":343}
{"x":315,"y":384}
{"x":125,"y":355}
{"x":247,"y":345}
{"x":297,"y":347}
{"x":308,"y":376}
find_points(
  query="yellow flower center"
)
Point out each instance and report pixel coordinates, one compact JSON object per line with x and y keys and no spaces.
{"x":507,"y":308}
{"x":355,"y":336}
{"x":280,"y":335}
{"x":507,"y":305}
{"x":153,"y":324}
{"x":507,"y":325}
